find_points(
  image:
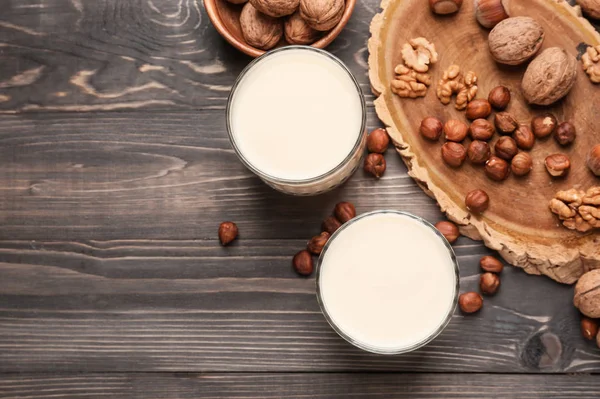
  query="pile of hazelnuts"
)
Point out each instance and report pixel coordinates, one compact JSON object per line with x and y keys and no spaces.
{"x":509,"y":150}
{"x":377,"y":142}
{"x":489,"y":281}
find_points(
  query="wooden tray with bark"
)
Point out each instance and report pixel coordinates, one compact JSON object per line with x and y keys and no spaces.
{"x":518,"y":222}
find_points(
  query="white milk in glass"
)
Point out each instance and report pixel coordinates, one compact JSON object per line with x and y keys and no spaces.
{"x":296,"y":116}
{"x":388,"y":282}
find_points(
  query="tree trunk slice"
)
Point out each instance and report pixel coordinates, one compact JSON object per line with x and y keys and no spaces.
{"x":518,"y":223}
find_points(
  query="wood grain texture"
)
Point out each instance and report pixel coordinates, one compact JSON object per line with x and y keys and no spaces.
{"x":318,"y":386}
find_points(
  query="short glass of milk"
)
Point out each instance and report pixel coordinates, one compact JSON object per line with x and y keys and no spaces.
{"x":387,"y":282}
{"x":296,"y":117}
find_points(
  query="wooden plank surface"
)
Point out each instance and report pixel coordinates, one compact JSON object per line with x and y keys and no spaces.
{"x":318,"y":386}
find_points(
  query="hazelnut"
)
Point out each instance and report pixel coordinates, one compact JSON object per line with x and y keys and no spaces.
{"x":448,"y":230}
{"x":506,"y":148}
{"x":444,"y":7}
{"x":499,"y":98}
{"x":521,"y":164}
{"x":228,"y":232}
{"x":431,"y":128}
{"x":375,"y":164}
{"x":515,"y":40}
{"x":470,"y":302}
{"x":378,"y":141}
{"x":453,"y":154}
{"x":565,"y":134}
{"x":344,"y":211}
{"x":489,"y":12}
{"x":316,"y":244}
{"x":478,"y":108}
{"x":557,"y":165}
{"x":593,"y":160}
{"x":303,"y":263}
{"x":489,"y":283}
{"x":543,"y":125}
{"x":589,"y":328}
{"x":481,"y":129}
{"x":496,"y":168}
{"x":478,"y":152}
{"x":455,"y":130}
{"x":331,"y":224}
{"x":524,"y":137}
{"x":260,"y":30}
{"x":505,"y":123}
{"x":491,"y":264}
{"x":477,"y":201}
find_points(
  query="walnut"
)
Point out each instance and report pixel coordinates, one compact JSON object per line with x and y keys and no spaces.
{"x":418,"y":53}
{"x":276,"y":8}
{"x":258,"y":29}
{"x":453,"y":82}
{"x":322,"y":15}
{"x":549,"y":77}
{"x":591,"y":63}
{"x":515,"y":40}
{"x":590,"y":7}
{"x":408,"y":83}
{"x":297,"y":31}
{"x":587,"y":294}
{"x":577,"y":209}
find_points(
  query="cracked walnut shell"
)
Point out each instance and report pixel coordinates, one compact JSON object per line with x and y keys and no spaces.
{"x":322,"y":15}
{"x":515,"y":40}
{"x":591,"y":63}
{"x":276,"y":8}
{"x":549,"y":77}
{"x":258,"y":29}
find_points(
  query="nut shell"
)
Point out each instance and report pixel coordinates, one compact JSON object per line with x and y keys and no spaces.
{"x":593,"y":160}
{"x":565,"y":134}
{"x":506,"y":148}
{"x":331,"y":224}
{"x":478,"y":108}
{"x":228,"y":231}
{"x":549,"y":77}
{"x":258,"y":29}
{"x":505,"y":123}
{"x":491,"y":264}
{"x":557,"y":165}
{"x":496,"y":168}
{"x":316,"y":244}
{"x":515,"y":40}
{"x":378,"y":141}
{"x":543,"y":125}
{"x":303,"y":263}
{"x":431,"y":128}
{"x":524,"y":137}
{"x":470,"y":302}
{"x":590,"y":7}
{"x":322,"y":15}
{"x":589,"y":328}
{"x":521,"y":164}
{"x":297,"y":31}
{"x":375,"y":164}
{"x":448,"y":230}
{"x":276,"y":8}
{"x":477,"y":201}
{"x":587,"y":294}
{"x":478,"y":152}
{"x":489,"y":283}
{"x":481,"y":129}
{"x":489,"y":12}
{"x":455,"y":130}
{"x":499,"y":97}
{"x":453,"y":154}
{"x":344,"y":211}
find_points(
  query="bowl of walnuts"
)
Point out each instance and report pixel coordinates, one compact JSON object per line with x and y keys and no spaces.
{"x":256,"y":26}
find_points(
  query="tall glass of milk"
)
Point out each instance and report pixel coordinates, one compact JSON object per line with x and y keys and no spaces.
{"x":296,"y":117}
{"x":387,"y":282}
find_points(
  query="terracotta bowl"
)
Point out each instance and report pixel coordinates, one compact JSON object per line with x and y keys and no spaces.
{"x":226,"y":16}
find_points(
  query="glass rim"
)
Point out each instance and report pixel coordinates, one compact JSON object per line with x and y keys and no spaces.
{"x":275,"y":179}
{"x":374,"y":349}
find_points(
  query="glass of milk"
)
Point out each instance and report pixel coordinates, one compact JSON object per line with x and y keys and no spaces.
{"x":296,"y":117}
{"x":387,"y":282}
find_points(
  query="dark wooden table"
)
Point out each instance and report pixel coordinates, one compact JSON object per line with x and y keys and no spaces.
{"x":115,"y":171}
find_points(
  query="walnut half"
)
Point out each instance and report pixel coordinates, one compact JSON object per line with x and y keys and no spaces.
{"x":591,"y":63}
{"x":408,"y":83}
{"x":453,"y":82}
{"x":577,"y":209}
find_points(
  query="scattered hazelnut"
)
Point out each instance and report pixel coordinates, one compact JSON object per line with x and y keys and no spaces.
{"x":303,"y":263}
{"x":344,"y":211}
{"x":478,"y":108}
{"x":478,"y":152}
{"x":565,"y":133}
{"x":375,"y":164}
{"x":378,"y":141}
{"x":331,"y":224}
{"x":557,"y":165}
{"x":506,"y":148}
{"x":593,"y":160}
{"x":316,"y":244}
{"x":431,"y":128}
{"x":481,"y":129}
{"x":455,"y":130}
{"x":489,"y":12}
{"x":489,"y":283}
{"x":444,"y":7}
{"x":477,"y":201}
{"x":491,"y":264}
{"x":228,"y":232}
{"x":589,"y":328}
{"x":524,"y":137}
{"x":505,"y":123}
{"x":453,"y":154}
{"x":470,"y":302}
{"x":496,"y":168}
{"x":448,"y":230}
{"x":521,"y":164}
{"x":499,"y":97}
{"x":543,"y":125}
